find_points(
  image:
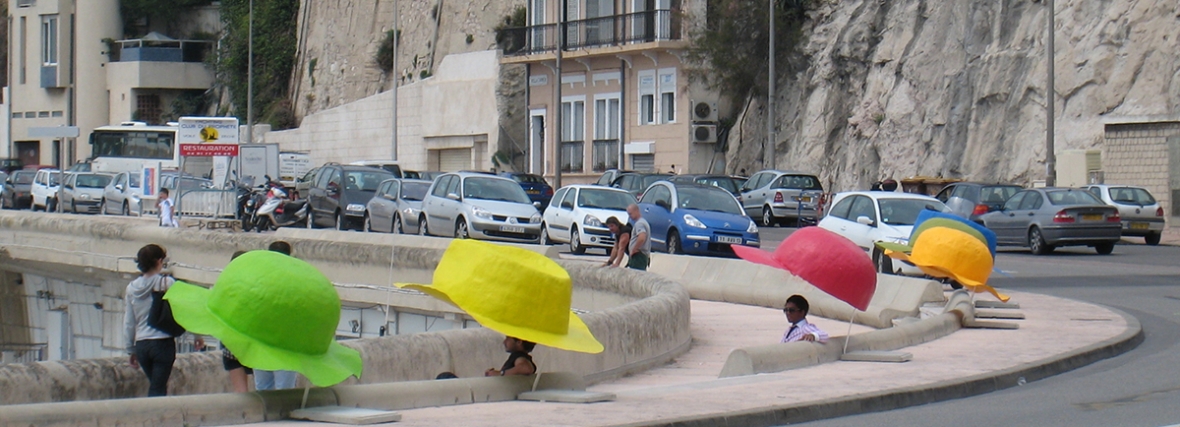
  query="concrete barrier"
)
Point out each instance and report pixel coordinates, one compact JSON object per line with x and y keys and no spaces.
{"x":742,"y":282}
{"x":642,"y":319}
{"x":780,"y":357}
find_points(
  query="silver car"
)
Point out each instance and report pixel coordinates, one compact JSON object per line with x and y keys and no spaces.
{"x":396,"y":206}
{"x":1045,"y":218}
{"x":82,"y":191}
{"x":479,"y":206}
{"x":777,"y":197}
{"x":122,"y":195}
{"x":1141,"y":214}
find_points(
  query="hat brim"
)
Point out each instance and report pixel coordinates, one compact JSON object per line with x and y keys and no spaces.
{"x":895,"y":247}
{"x":757,"y":256}
{"x":577,"y":338}
{"x":190,"y":309}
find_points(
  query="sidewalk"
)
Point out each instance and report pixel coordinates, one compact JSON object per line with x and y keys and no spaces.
{"x":1057,"y":335}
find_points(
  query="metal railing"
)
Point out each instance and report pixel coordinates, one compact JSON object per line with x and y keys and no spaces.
{"x":614,"y":30}
{"x":22,"y":353}
{"x":208,"y":203}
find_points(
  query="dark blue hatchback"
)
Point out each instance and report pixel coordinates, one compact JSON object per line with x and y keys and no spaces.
{"x":533,"y":185}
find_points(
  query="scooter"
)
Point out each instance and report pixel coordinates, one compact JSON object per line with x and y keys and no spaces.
{"x":246,"y":203}
{"x":279,"y":211}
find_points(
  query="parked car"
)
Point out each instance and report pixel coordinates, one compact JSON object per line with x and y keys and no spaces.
{"x":578,"y":213}
{"x":18,"y":190}
{"x":8,"y":166}
{"x":423,"y":175}
{"x":533,"y":185}
{"x":176,"y":184}
{"x":868,"y":217}
{"x":45,"y":185}
{"x":390,"y":166}
{"x":972,"y":199}
{"x":636,"y":183}
{"x":724,"y":182}
{"x":1141,"y":214}
{"x":778,"y":197}
{"x":303,"y":184}
{"x":340,"y":193}
{"x":396,"y":205}
{"x":609,"y":176}
{"x":1043,"y":219}
{"x":82,"y":192}
{"x":123,"y":195}
{"x":472,"y":205}
{"x":696,"y":219}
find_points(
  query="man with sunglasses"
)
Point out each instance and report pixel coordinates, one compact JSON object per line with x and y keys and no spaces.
{"x":800,"y":330}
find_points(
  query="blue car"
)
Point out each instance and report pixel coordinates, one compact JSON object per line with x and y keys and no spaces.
{"x":691,"y":218}
{"x":533,"y":185}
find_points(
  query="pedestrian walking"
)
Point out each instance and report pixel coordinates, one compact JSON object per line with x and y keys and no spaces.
{"x":167,"y":211}
{"x":151,"y":349}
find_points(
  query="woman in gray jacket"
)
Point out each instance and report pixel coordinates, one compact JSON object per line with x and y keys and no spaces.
{"x":150,"y":348}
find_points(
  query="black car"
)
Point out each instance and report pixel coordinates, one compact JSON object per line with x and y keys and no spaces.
{"x":724,"y":182}
{"x":635,"y":183}
{"x":972,"y":199}
{"x":339,"y":193}
{"x":18,"y":190}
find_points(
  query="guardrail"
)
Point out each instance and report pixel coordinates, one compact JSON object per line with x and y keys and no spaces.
{"x":207,"y":203}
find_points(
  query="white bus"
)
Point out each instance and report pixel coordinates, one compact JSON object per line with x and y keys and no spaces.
{"x":133,"y":145}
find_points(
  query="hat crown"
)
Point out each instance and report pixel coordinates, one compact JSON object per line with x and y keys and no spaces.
{"x":277,"y":300}
{"x":509,"y":285}
{"x":954,"y":251}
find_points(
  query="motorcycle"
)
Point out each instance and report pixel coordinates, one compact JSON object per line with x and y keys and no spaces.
{"x":246,"y":203}
{"x":278,"y":210}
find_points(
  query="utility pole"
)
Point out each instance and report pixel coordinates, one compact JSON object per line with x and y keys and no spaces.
{"x":558,"y":130}
{"x":250,"y":78}
{"x":768,"y":151}
{"x":1050,"y":97}
{"x":396,"y":76}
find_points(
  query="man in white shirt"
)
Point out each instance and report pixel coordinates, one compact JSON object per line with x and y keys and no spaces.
{"x":796,"y":310}
{"x":167,"y":211}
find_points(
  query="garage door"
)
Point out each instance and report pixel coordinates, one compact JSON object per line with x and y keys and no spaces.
{"x":643,"y":162}
{"x":454,"y":159}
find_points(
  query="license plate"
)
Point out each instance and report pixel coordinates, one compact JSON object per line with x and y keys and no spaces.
{"x":511,"y":229}
{"x":1139,"y":226}
{"x":731,"y":240}
{"x":533,"y":191}
{"x":805,"y":199}
{"x":1092,"y":217}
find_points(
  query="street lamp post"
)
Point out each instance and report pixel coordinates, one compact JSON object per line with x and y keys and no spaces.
{"x":768,"y":154}
{"x":250,"y":77}
{"x":1050,"y":97}
{"x":396,"y":77}
{"x":557,"y":82}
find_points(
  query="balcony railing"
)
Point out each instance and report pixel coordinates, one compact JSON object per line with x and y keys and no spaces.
{"x":614,"y":30}
{"x":161,"y":50}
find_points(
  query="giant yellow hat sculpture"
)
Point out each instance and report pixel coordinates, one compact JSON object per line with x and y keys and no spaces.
{"x":946,"y":252}
{"x":514,"y":291}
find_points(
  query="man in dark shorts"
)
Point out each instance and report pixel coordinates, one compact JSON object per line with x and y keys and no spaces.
{"x":639,"y":248}
{"x":519,"y":361}
{"x":622,"y":233}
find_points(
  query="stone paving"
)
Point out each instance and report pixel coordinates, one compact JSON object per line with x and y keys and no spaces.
{"x":688,"y":388}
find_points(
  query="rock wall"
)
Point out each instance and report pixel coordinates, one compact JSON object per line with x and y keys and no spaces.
{"x":896,"y":88}
{"x":341,"y":38}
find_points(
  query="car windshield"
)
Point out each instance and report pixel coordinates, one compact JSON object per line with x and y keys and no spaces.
{"x":801,"y":182}
{"x":997,"y":194}
{"x":414,"y":190}
{"x":1131,"y":196}
{"x":23,"y":177}
{"x":648,"y":180}
{"x":605,"y":199}
{"x":364,"y":180}
{"x":92,"y":181}
{"x":707,"y":199}
{"x":724,"y":183}
{"x":1072,"y":197}
{"x":529,"y":178}
{"x":494,"y":189}
{"x":54,"y":178}
{"x":905,"y":211}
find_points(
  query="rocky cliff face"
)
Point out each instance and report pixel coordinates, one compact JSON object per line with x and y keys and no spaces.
{"x":896,"y":88}
{"x":338,"y":40}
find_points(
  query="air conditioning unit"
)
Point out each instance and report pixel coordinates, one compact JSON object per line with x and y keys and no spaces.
{"x":704,"y":134}
{"x":703,"y":111}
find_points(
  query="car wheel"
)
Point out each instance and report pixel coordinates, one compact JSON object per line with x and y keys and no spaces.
{"x":310,"y":220}
{"x":368,"y":224}
{"x":50,"y":205}
{"x":73,"y":207}
{"x":1104,"y":248}
{"x":576,"y":242}
{"x":340,"y":225}
{"x":1152,"y":239}
{"x":767,"y":217}
{"x":102,"y":207}
{"x":461,"y":231}
{"x":883,"y":262}
{"x":674,"y":243}
{"x":126,"y":208}
{"x":422,"y":230}
{"x":544,"y":240}
{"x":1036,"y":242}
{"x":396,"y":227}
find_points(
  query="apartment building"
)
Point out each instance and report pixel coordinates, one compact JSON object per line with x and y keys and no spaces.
{"x":626,"y":101}
{"x":70,"y":65}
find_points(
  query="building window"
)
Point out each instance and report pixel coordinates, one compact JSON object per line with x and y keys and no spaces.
{"x":147,"y":108}
{"x":607,"y":122}
{"x":573,"y":134}
{"x":667,"y":88}
{"x":17,"y":115}
{"x":49,"y":40}
{"x":42,"y":114}
{"x":647,"y":97}
{"x":24,"y":40}
{"x":30,"y":114}
{"x":56,"y":113}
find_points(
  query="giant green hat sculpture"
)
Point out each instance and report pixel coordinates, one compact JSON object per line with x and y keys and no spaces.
{"x":274,"y":312}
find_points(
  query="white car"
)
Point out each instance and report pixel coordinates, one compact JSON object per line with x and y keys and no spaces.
{"x":577,"y":215}
{"x":867,"y":217}
{"x":44,"y":189}
{"x":1141,"y":214}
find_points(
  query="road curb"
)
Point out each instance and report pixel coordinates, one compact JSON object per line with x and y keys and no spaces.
{"x":920,"y":395}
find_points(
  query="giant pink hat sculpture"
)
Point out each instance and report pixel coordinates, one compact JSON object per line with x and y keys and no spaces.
{"x":825,"y":259}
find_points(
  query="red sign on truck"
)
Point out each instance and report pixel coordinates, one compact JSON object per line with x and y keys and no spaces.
{"x":203,"y":150}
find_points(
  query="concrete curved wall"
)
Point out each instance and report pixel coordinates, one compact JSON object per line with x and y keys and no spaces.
{"x":650,"y":326}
